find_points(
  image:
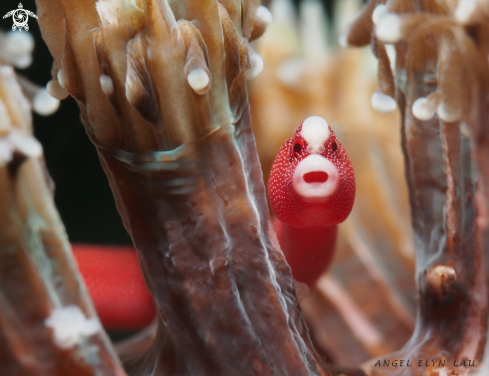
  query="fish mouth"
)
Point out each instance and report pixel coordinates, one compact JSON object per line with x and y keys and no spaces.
{"x":315,"y":178}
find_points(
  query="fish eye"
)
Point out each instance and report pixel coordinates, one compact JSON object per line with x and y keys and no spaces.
{"x":335,"y":146}
{"x":297,"y":148}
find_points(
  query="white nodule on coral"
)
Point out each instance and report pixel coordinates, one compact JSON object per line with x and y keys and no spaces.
{"x":447,"y":114}
{"x":25,"y":144}
{"x":70,"y":326}
{"x":441,"y":274}
{"x":45,"y":104}
{"x":62,"y":80}
{"x":315,"y":131}
{"x":22,"y":61}
{"x":256,"y":63}
{"x":264,"y":15}
{"x":107,"y":13}
{"x":383,"y":103}
{"x":316,"y":191}
{"x":55,"y":90}
{"x":19,"y":43}
{"x":465,"y":10}
{"x":198,"y":79}
{"x":388,"y":29}
{"x":423,"y":109}
{"x":379,"y":12}
{"x":107,"y":84}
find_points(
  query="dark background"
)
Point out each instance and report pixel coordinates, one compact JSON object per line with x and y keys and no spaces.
{"x":82,"y":195}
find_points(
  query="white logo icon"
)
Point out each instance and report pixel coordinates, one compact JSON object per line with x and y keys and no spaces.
{"x":20,"y":17}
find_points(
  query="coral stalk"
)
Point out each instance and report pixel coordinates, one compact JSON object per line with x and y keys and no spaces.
{"x":181,"y":160}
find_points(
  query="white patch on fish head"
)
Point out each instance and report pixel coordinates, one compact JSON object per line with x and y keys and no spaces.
{"x":315,"y":131}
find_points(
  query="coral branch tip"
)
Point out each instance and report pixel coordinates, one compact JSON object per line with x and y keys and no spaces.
{"x":198,"y":79}
{"x":423,"y":109}
{"x":45,"y":104}
{"x":389,"y":28}
{"x":383,"y":103}
{"x":107,"y":84}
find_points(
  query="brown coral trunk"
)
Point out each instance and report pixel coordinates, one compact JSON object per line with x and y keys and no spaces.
{"x":185,"y":174}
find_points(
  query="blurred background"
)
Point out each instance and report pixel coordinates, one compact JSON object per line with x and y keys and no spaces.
{"x":365,"y":305}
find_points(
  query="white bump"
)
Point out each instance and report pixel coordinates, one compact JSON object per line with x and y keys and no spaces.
{"x":19,"y":44}
{"x":315,"y":192}
{"x":448,"y":114}
{"x":55,"y":90}
{"x":107,"y":84}
{"x":379,"y":12}
{"x":70,"y":326}
{"x":315,"y":131}
{"x":423,"y":109}
{"x":62,"y":80}
{"x":264,"y":15}
{"x":389,"y":28}
{"x":256,"y":63}
{"x":465,"y":10}
{"x":25,"y":144}
{"x":22,"y":61}
{"x":44,"y":104}
{"x":383,"y":103}
{"x":198,"y":79}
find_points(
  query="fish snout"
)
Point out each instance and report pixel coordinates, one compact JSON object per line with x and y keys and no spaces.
{"x":315,"y":178}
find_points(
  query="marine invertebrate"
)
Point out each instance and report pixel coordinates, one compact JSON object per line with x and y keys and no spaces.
{"x":41,"y":291}
{"x":180,"y":157}
{"x":311,"y":190}
{"x":435,"y":52}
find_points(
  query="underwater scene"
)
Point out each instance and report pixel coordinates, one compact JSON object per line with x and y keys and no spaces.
{"x":244,"y":187}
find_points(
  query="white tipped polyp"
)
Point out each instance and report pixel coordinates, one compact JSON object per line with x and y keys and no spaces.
{"x":26,"y":144}
{"x":379,"y":12}
{"x":315,"y":192}
{"x":465,"y":10}
{"x":264,"y":15}
{"x":198,"y":79}
{"x":423,"y":109}
{"x":388,"y":29}
{"x":447,"y":114}
{"x":62,"y":78}
{"x":256,"y":63}
{"x":383,"y":103}
{"x":107,"y":84}
{"x":70,"y":326}
{"x":18,"y":44}
{"x":22,"y":61}
{"x":44,"y":104}
{"x":55,"y":90}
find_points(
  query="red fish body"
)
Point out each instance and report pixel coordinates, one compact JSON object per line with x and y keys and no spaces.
{"x":311,"y":189}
